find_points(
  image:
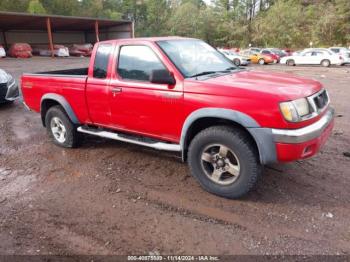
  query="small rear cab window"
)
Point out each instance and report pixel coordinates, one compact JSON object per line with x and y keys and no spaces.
{"x":101,"y":60}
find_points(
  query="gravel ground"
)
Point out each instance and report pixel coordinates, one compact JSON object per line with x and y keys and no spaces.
{"x":108,"y":197}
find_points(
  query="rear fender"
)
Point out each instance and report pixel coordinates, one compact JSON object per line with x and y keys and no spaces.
{"x":62,"y":102}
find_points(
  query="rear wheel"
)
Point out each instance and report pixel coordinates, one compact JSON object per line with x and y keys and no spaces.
{"x":61,"y":130}
{"x":261,"y":61}
{"x":224,"y":161}
{"x":236,"y":62}
{"x":325,"y":63}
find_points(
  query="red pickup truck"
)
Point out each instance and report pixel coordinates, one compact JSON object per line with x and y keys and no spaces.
{"x":182,"y":95}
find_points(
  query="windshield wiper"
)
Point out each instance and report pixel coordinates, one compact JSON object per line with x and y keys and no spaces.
{"x":204,"y":73}
{"x":227,"y":70}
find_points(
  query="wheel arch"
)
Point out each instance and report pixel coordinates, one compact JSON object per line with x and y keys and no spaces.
{"x":51,"y":99}
{"x":206,"y":117}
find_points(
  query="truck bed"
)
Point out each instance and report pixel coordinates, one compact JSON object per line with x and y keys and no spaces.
{"x":70,"y":84}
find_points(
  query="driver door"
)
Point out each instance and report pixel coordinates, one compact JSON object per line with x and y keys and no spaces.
{"x":139,"y":106}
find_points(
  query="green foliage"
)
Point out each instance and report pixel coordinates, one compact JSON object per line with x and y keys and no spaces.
{"x":35,"y":7}
{"x":280,"y":23}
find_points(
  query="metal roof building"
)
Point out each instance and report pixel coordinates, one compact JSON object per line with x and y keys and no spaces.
{"x":47,"y":30}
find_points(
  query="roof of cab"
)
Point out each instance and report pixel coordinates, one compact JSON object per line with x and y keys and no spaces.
{"x":149,"y":39}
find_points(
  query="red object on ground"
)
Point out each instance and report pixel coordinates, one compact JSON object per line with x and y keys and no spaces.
{"x":21,"y":50}
{"x":81,"y":50}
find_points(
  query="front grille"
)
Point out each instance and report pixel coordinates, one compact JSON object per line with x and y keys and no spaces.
{"x":3,"y":91}
{"x":321,"y":100}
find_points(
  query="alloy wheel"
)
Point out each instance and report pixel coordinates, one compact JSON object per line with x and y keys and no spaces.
{"x":58,"y":129}
{"x":220,"y":164}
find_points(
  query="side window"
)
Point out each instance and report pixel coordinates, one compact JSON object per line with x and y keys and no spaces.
{"x":308,"y":54}
{"x":101,"y":60}
{"x":265,"y":52}
{"x":137,"y":62}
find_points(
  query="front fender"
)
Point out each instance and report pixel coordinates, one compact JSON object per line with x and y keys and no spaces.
{"x":262,"y":136}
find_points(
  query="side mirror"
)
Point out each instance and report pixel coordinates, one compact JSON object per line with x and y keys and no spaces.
{"x":162,"y":77}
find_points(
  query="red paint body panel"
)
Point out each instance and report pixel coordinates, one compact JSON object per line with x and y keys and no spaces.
{"x":159,"y":111}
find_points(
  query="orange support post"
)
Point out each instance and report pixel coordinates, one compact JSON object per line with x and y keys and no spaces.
{"x":49,"y":32}
{"x":97,"y":32}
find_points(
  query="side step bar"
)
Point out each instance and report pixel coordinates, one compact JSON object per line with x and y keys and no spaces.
{"x":115,"y":136}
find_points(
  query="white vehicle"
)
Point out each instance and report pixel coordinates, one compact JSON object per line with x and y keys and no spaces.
{"x":339,"y":50}
{"x":315,"y":56}
{"x":343,"y":52}
{"x":237,"y":59}
{"x":2,"y":52}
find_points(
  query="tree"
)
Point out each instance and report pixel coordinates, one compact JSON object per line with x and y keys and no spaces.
{"x":185,"y":20}
{"x":35,"y":7}
{"x":157,"y":15}
{"x":14,"y":5}
{"x":61,"y":7}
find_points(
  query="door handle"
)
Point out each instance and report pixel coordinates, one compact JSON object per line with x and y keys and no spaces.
{"x":116,"y":90}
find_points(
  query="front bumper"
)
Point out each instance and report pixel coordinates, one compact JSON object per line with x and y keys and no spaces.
{"x":294,"y":144}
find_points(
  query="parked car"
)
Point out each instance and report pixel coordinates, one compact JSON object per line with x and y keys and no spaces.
{"x":275,"y":58}
{"x":339,"y":50}
{"x":257,"y":58}
{"x":288,"y":51}
{"x":342,"y":52}
{"x":182,"y":95}
{"x":275,"y":54}
{"x":315,"y":56}
{"x":8,"y":88}
{"x":254,"y":49}
{"x":235,"y":57}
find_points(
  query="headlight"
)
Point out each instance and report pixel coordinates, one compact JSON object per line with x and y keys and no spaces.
{"x":294,"y":111}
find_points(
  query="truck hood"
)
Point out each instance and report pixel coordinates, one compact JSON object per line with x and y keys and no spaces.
{"x":286,"y":86}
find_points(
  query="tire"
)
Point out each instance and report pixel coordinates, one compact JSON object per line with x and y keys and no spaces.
{"x":261,"y":61}
{"x":57,"y":118}
{"x":7,"y":102}
{"x":247,"y":166}
{"x":291,"y":62}
{"x":325,"y":63}
{"x":236,"y":62}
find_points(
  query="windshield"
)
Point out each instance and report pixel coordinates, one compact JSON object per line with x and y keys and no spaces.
{"x":195,"y":57}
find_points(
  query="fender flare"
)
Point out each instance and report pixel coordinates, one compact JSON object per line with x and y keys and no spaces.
{"x":63,"y":102}
{"x":263,"y":138}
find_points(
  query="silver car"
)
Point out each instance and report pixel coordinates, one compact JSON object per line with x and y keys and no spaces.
{"x":9,"y":91}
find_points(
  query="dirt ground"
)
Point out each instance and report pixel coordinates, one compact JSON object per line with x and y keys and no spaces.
{"x":108,"y":197}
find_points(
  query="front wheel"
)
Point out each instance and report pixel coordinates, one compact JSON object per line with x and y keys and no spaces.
{"x":236,"y":62}
{"x":60,"y":128}
{"x":261,"y":61}
{"x":224,"y":161}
